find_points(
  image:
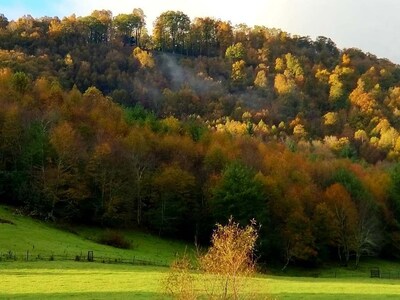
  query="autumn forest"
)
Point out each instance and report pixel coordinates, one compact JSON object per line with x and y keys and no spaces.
{"x":105,"y":123}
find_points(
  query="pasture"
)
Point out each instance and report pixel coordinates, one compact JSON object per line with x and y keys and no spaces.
{"x":83,"y":280}
{"x":41,"y":278}
{"x":41,"y":239}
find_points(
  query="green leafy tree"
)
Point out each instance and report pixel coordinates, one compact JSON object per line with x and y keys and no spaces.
{"x":236,"y":52}
{"x":174,"y":200}
{"x":204,"y":30}
{"x":238,"y":194}
{"x":20,"y":82}
{"x":3,"y":21}
{"x":170,"y":30}
{"x":128,"y":25}
{"x":393,"y":238}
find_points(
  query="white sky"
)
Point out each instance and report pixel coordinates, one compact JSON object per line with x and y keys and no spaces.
{"x":371,"y":25}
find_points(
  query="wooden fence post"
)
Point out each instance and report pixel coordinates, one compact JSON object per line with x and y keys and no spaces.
{"x":90,"y":256}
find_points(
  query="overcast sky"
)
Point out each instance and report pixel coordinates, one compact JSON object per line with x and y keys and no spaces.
{"x":371,"y":25}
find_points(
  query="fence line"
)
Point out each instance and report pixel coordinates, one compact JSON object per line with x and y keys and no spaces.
{"x":89,"y":256}
{"x":381,"y":274}
{"x":83,"y":256}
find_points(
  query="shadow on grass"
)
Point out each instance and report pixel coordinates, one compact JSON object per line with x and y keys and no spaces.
{"x":159,"y":296}
{"x":87,"y":295}
{"x":300,"y":296}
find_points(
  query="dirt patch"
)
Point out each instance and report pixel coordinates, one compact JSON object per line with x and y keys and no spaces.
{"x":4,"y":221}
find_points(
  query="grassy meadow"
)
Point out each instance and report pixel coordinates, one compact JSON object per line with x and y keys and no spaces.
{"x":39,"y":279}
{"x":78,"y":280}
{"x":40,"y":238}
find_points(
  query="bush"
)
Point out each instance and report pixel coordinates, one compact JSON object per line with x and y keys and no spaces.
{"x":224,"y":268}
{"x":4,"y":221}
{"x":115,"y":239}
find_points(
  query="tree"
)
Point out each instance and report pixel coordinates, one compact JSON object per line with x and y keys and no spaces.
{"x":130,"y":25}
{"x":330,"y":118}
{"x":62,"y":182}
{"x":394,"y":208}
{"x":3,"y":21}
{"x":145,"y":58}
{"x":362,"y":99}
{"x":368,"y":236}
{"x":139,"y":27}
{"x":283,"y":85}
{"x":299,"y":131}
{"x":261,"y":79}
{"x":235,"y":52}
{"x":224,"y":36}
{"x":290,"y":214}
{"x":173,"y":203}
{"x":341,"y":82}
{"x":298,"y":241}
{"x":323,"y":229}
{"x":170,"y":30}
{"x":392,"y":101}
{"x":99,"y":24}
{"x":180,"y":283}
{"x":238,"y":74}
{"x":107,"y":174}
{"x":20,"y":82}
{"x":140,"y":159}
{"x":238,"y":194}
{"x":345,"y":221}
{"x":11,"y":147}
{"x":231,"y":257}
{"x":70,"y":31}
{"x":224,"y":267}
{"x":204,"y":31}
{"x":294,"y":69}
{"x":36,"y":152}
{"x":361,"y":136}
{"x":328,"y":52}
{"x":292,"y":77}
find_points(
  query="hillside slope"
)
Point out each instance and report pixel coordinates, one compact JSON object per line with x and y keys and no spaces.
{"x":20,"y":234}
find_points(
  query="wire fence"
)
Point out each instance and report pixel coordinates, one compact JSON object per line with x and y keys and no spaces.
{"x":371,"y":273}
{"x":89,"y":256}
{"x":83,"y":256}
{"x":389,"y":274}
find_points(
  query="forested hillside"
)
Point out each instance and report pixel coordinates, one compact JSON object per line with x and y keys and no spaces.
{"x":105,"y":123}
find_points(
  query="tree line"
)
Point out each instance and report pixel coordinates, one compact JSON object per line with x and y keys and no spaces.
{"x":80,"y":157}
{"x":235,"y":78}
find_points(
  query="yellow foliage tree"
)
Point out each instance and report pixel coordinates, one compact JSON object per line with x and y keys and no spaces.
{"x":363,"y":100}
{"x":145,"y":58}
{"x":230,"y":258}
{"x":238,"y":75}
{"x":330,"y":118}
{"x":225,"y":266}
{"x":261,"y":80}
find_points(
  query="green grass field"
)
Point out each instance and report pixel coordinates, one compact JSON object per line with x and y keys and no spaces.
{"x":42,"y":239}
{"x":39,"y":279}
{"x":62,"y":280}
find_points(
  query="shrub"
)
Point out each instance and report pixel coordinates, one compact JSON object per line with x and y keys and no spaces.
{"x":4,"y":221}
{"x":115,"y":239}
{"x":179,"y":283}
{"x":224,"y":268}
